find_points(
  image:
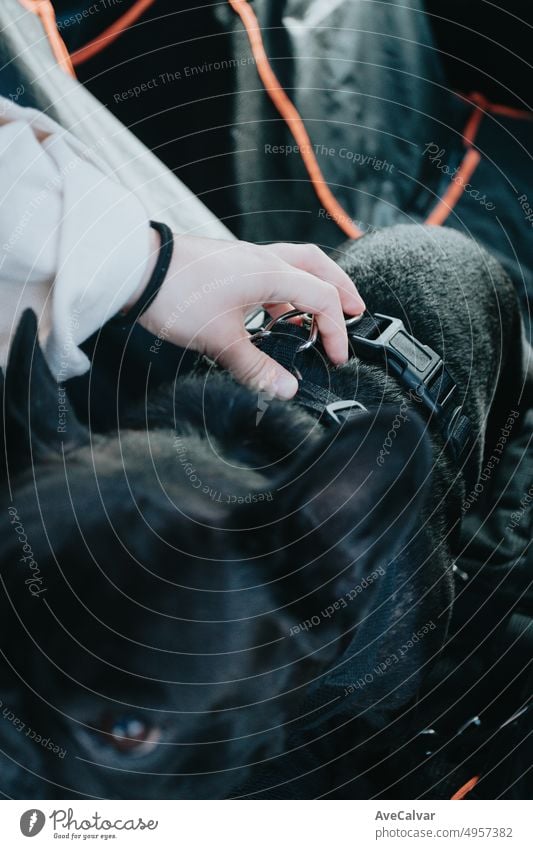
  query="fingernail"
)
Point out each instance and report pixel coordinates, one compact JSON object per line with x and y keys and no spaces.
{"x":284,"y":386}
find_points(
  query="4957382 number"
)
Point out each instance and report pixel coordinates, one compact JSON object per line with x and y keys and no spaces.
{"x":480,"y":831}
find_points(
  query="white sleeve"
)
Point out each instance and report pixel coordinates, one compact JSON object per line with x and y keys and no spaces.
{"x":74,"y":244}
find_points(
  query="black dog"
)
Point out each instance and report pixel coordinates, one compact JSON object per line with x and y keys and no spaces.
{"x":178,"y":597}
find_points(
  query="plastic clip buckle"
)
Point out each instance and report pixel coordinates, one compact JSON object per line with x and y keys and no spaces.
{"x":412,"y":362}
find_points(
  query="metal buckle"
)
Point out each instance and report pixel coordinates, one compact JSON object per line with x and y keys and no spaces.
{"x":354,"y":319}
{"x":268,"y":329}
{"x":340,"y":406}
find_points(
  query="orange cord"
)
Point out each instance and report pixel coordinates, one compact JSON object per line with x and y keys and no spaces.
{"x":465,"y":789}
{"x":482,"y":104}
{"x":472,"y":157}
{"x":478,"y":99}
{"x":109,"y":35}
{"x":45,"y":11}
{"x":472,"y":126}
{"x":290,"y":115}
{"x":284,"y":105}
{"x":468,"y":165}
{"x":456,"y":188}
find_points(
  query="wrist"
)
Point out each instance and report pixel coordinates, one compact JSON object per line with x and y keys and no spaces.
{"x":148,"y":292}
{"x":154,"y":248}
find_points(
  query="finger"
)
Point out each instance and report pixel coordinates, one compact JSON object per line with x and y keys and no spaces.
{"x":252,"y":367}
{"x":275,"y":310}
{"x":311,"y":258}
{"x":310,"y":294}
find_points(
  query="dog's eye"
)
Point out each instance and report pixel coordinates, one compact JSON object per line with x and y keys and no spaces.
{"x":129,"y":734}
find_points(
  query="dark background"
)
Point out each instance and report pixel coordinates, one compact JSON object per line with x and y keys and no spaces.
{"x":483,"y":47}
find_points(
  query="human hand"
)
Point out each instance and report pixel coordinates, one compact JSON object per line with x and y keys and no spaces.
{"x":212,"y":284}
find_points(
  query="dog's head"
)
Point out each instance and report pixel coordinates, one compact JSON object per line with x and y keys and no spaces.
{"x":169,"y":591}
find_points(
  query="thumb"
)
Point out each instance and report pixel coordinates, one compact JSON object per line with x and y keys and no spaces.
{"x":252,"y":367}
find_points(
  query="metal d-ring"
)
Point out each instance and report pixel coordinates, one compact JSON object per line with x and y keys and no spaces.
{"x":311,"y":340}
{"x":268,"y":329}
{"x":349,"y":321}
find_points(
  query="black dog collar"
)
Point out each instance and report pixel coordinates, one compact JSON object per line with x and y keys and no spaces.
{"x":375,"y":338}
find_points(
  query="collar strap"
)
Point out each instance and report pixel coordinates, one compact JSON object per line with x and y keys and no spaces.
{"x":298,"y":350}
{"x":375,"y":338}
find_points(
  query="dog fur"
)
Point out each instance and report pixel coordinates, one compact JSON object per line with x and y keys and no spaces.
{"x":178,"y":605}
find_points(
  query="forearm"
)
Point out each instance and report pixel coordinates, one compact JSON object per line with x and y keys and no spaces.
{"x":75,"y":246}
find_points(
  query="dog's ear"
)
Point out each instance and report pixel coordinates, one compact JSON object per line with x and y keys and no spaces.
{"x":38,"y":421}
{"x":359,"y":491}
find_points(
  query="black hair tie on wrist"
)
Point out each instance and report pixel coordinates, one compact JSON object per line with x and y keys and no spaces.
{"x":155,"y":282}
